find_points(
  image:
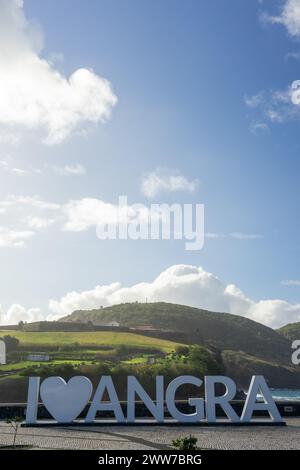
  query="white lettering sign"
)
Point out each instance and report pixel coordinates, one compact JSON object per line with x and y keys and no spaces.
{"x":65,"y":401}
{"x":2,"y":352}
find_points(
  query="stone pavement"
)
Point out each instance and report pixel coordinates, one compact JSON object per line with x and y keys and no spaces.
{"x":155,"y":437}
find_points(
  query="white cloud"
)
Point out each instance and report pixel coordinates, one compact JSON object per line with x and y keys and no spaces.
{"x":29,"y":201}
{"x":234,"y":235}
{"x":84,"y":300}
{"x":19,"y":213}
{"x":274,"y":312}
{"x":293,"y":55}
{"x":5,"y":162}
{"x":39,"y":223}
{"x":7,"y":137}
{"x":82,"y":214}
{"x":183,"y":284}
{"x":55,"y":58}
{"x":214,"y":235}
{"x":8,"y":165}
{"x":19,"y":171}
{"x":246,"y":236}
{"x":34,"y":95}
{"x":17,"y":313}
{"x":254,"y":100}
{"x":291,"y":282}
{"x":258,"y":127}
{"x":164,"y":180}
{"x":68,"y":170}
{"x":289,"y":16}
{"x":277,"y":106}
{"x":14,"y":238}
{"x":22,"y":213}
{"x":72,"y":169}
{"x":22,"y":216}
{"x":274,"y":107}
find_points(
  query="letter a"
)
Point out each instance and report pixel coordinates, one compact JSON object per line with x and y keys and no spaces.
{"x":258,"y":384}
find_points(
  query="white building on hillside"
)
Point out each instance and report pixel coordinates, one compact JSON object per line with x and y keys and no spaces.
{"x":39,"y":357}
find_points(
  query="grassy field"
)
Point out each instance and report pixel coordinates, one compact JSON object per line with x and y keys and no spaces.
{"x":23,"y":364}
{"x":74,"y":348}
{"x":138,"y":360}
{"x":89,"y":340}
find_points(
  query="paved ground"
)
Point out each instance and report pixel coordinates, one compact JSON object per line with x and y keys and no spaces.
{"x":155,"y":437}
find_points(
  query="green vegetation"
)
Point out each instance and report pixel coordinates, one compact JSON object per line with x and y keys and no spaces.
{"x":242,"y":366}
{"x":198,"y":361}
{"x":290,"y":331}
{"x":183,"y":340}
{"x":71,"y":353}
{"x":13,"y":389}
{"x":48,"y":341}
{"x":189,"y":325}
{"x":137,"y":360}
{"x":244,"y":346}
{"x":11,"y":343}
{"x":186,"y":443}
{"x":24,"y":364}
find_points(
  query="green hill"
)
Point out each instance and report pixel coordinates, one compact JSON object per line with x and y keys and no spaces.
{"x":91,"y":340}
{"x":290,"y":331}
{"x":85,"y":343}
{"x":189,"y":325}
{"x":95,"y":353}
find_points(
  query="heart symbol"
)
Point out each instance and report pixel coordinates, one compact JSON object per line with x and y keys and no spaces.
{"x":63,"y":400}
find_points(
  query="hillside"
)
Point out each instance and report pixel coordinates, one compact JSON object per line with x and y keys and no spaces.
{"x":223,"y":331}
{"x":96,"y":353}
{"x":290,"y":331}
{"x":241,"y":366}
{"x":49,"y":341}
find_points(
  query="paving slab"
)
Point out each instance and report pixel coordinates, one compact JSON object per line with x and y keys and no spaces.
{"x":124,"y":437}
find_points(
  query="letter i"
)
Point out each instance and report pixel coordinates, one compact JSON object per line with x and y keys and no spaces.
{"x":32,"y":400}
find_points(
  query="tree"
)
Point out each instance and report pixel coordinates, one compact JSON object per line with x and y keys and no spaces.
{"x":11,"y":343}
{"x":182,"y":350}
{"x":15,"y":423}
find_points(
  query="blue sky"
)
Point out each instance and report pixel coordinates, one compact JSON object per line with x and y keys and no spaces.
{"x":183,"y":73}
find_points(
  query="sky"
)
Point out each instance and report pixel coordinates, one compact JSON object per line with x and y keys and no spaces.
{"x":186,"y":102}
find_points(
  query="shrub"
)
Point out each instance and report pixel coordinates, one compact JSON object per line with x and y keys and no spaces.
{"x":182,"y":350}
{"x":11,"y":343}
{"x":186,"y":443}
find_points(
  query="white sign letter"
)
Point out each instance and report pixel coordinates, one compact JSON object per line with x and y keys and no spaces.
{"x":32,"y":400}
{"x":134,"y":387}
{"x":97,"y":404}
{"x":2,"y":352}
{"x":223,"y":400}
{"x":197,"y":402}
{"x":258,"y":384}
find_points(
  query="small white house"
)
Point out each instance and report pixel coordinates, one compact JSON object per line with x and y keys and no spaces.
{"x":151,"y":360}
{"x":38,"y":357}
{"x":2,"y":352}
